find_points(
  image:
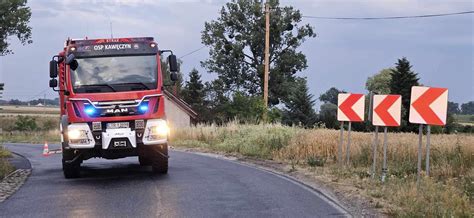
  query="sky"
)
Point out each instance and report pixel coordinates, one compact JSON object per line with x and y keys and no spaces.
{"x":343,"y":55}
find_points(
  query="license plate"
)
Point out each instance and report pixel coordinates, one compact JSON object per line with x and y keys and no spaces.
{"x":120,"y":144}
{"x":117,"y":125}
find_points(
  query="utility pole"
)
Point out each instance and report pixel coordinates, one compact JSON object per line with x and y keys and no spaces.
{"x":267,"y":59}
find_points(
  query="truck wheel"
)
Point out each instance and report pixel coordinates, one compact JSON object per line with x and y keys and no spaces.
{"x":159,"y":162}
{"x":71,"y":170}
{"x":144,"y":161}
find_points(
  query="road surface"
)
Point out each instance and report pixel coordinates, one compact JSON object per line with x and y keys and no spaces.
{"x":196,"y":186}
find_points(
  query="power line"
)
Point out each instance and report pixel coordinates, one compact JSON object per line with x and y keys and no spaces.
{"x":389,"y":18}
{"x":42,"y":92}
{"x":192,"y":52}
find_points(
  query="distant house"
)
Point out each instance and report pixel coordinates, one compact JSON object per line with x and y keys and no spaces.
{"x":178,"y":113}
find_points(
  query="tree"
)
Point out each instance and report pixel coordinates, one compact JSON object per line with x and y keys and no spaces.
{"x":453,"y":108}
{"x":451,"y":124}
{"x":239,"y":106}
{"x":15,"y":16}
{"x":403,"y":78}
{"x":299,"y":107}
{"x":330,"y":96}
{"x":380,"y":82}
{"x":16,"y":102}
{"x":244,"y":108}
{"x":468,"y":108}
{"x":328,"y":115}
{"x":237,"y":38}
{"x":217,"y":101}
{"x":193,"y":93}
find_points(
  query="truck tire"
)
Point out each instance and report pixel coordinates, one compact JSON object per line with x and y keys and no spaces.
{"x":144,"y":161}
{"x":73,"y":169}
{"x":159,"y":161}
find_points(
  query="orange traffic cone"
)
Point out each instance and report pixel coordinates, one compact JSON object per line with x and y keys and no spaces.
{"x":45,"y":149}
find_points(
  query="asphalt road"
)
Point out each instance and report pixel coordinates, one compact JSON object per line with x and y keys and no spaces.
{"x":196,"y":186}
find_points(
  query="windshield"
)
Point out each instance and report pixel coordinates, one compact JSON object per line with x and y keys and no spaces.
{"x":113,"y":74}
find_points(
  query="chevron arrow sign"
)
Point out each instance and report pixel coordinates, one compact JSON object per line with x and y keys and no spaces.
{"x":428,"y":105}
{"x":387,"y":110}
{"x":350,"y":107}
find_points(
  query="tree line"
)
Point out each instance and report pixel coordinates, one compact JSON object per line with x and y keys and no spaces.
{"x":39,"y":101}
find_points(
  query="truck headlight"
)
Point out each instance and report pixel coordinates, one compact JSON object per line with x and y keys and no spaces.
{"x":156,"y":131}
{"x":77,"y":134}
{"x":161,"y":129}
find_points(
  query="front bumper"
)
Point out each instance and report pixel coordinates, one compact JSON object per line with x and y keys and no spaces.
{"x":129,"y":137}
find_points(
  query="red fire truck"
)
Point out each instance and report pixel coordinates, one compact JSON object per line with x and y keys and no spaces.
{"x":111,"y":100}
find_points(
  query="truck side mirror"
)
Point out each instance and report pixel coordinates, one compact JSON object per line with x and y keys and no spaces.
{"x":173,"y":63}
{"x":53,"y":69}
{"x":53,"y":83}
{"x":174,"y":76}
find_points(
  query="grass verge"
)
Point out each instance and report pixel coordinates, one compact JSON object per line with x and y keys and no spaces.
{"x":5,"y":166}
{"x":449,"y":191}
{"x":33,"y":137}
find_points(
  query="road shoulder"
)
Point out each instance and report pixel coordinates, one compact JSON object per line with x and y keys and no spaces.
{"x":13,"y":181}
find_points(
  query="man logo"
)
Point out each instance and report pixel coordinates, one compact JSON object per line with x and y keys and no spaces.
{"x":117,"y":110}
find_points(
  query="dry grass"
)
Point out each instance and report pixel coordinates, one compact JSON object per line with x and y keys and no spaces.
{"x":448,"y":192}
{"x":36,"y":137}
{"x":5,"y":167}
{"x":7,"y":122}
{"x":29,"y":109}
{"x":451,"y":155}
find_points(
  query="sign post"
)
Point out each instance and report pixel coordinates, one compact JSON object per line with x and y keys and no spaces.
{"x":348,"y":155}
{"x":341,"y":141}
{"x":384,"y":166}
{"x":428,"y":105}
{"x":428,"y":133}
{"x":386,"y":112}
{"x":351,"y":108}
{"x":420,"y":141}
{"x":374,"y":146}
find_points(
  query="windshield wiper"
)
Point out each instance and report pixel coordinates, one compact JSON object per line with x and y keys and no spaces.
{"x":99,"y":85}
{"x":136,"y":83}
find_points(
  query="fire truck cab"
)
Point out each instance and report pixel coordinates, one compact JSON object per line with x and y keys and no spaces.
{"x":111,"y":100}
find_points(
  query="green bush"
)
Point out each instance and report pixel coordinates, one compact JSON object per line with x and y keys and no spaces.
{"x":25,"y":123}
{"x":315,"y":161}
{"x":49,"y":125}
